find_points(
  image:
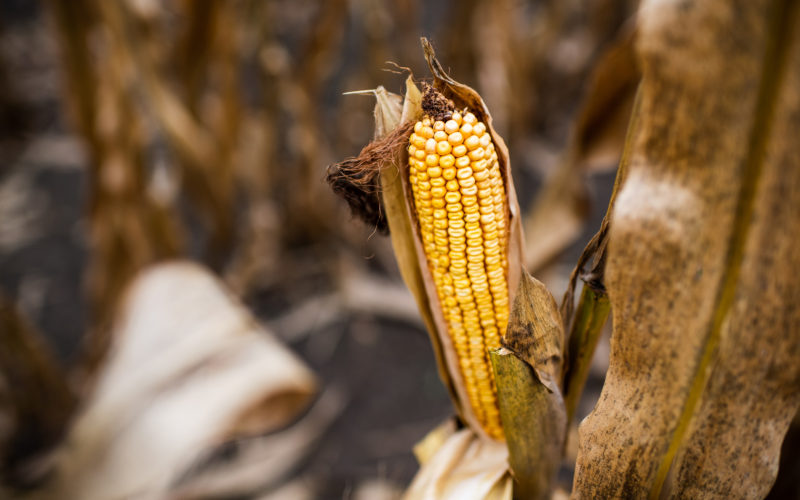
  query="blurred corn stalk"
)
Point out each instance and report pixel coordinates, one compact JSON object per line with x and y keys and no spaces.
{"x":36,"y":403}
{"x":128,"y":227}
{"x":124,"y":105}
{"x":157,"y":94}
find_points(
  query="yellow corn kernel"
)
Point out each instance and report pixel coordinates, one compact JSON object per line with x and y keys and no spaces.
{"x":460,"y":202}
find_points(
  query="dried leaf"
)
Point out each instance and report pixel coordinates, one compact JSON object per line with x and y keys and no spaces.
{"x":189,"y":368}
{"x":264,"y":461}
{"x":586,"y":325}
{"x":703,"y":379}
{"x":535,"y":333}
{"x":388,"y":110}
{"x":595,"y":251}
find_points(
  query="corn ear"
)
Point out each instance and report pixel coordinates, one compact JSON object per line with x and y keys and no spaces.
{"x":463,"y":332}
{"x":479,"y":263}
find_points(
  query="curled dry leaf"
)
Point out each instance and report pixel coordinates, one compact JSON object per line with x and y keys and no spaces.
{"x":263,"y":462}
{"x":189,"y":367}
{"x":535,"y":332}
{"x":703,"y":377}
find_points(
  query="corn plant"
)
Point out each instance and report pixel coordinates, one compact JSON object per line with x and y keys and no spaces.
{"x":692,"y":261}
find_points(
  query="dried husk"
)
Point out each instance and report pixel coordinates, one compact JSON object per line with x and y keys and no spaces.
{"x":528,"y":391}
{"x":703,"y":379}
{"x":463,"y":467}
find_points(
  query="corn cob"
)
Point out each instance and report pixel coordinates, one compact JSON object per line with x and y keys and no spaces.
{"x":460,"y":203}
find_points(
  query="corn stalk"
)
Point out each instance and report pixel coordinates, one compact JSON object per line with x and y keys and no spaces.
{"x":703,"y":377}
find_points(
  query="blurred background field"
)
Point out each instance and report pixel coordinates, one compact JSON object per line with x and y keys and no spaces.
{"x":138,"y":131}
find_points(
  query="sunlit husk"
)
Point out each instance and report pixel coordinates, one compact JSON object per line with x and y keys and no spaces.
{"x":406,"y":238}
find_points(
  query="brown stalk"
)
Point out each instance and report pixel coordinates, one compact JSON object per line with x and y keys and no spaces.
{"x":36,"y":402}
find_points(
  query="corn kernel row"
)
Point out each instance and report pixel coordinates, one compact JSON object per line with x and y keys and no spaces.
{"x":460,"y":202}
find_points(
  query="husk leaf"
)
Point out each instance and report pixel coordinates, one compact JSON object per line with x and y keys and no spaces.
{"x":535,"y":332}
{"x":529,"y":397}
{"x":464,"y":467}
{"x":403,"y":228}
{"x":388,"y":110}
{"x":534,"y":422}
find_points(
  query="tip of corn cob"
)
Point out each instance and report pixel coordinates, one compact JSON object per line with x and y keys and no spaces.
{"x":435,"y":105}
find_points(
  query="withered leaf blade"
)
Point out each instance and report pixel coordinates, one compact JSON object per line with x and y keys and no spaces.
{"x":590,"y":318}
{"x":703,"y":377}
{"x":535,"y":332}
{"x":586,"y":324}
